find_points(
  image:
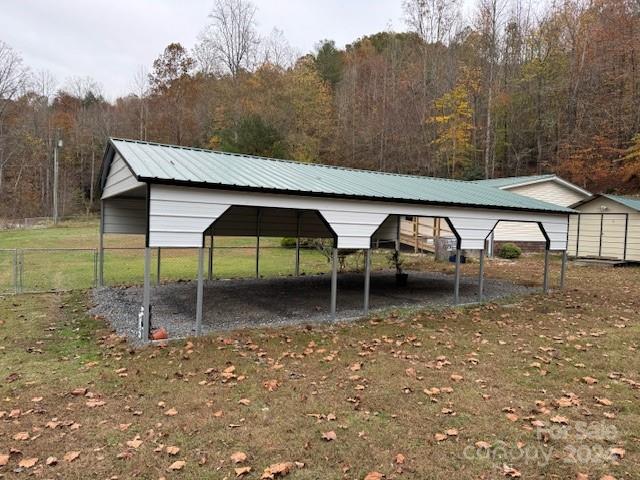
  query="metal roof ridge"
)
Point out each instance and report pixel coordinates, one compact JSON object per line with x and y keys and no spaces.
{"x":283,"y":160}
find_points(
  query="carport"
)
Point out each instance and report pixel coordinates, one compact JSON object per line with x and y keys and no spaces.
{"x":178,"y":197}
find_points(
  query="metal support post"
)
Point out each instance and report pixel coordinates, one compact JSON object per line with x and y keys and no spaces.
{"x":563,"y":269}
{"x":258,"y":244}
{"x":456,"y":287}
{"x":297,"y":243}
{"x":101,"y":247}
{"x":200,"y":291}
{"x":367,"y":279}
{"x":146,"y":296}
{"x":545,"y":281}
{"x":210,"y":264}
{"x":334,"y":281}
{"x":481,"y":277}
{"x":158,"y":269}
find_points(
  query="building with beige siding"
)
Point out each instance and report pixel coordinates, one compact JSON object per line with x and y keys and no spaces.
{"x":423,"y":233}
{"x":607,"y":227}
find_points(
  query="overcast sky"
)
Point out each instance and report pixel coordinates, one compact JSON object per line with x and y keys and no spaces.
{"x":109,"y":40}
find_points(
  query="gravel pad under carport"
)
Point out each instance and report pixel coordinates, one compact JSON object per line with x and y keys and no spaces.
{"x":246,"y":303}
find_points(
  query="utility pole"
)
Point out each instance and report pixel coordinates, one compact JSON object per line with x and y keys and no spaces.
{"x":58,"y":144}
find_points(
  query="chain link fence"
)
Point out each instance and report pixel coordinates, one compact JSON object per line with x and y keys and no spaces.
{"x":31,"y":270}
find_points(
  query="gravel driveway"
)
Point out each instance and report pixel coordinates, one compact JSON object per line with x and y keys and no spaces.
{"x":247,"y":303}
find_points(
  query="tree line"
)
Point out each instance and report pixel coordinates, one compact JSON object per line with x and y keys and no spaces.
{"x":516,"y":88}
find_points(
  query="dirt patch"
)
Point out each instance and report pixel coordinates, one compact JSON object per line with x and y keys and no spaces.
{"x":248,"y":303}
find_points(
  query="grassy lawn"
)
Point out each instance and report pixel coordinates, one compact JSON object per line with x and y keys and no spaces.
{"x":544,"y":387}
{"x":48,"y":269}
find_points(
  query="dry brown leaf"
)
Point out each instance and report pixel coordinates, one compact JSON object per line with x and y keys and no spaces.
{"x":452,"y":432}
{"x":51,"y":461}
{"x":71,"y":456}
{"x":590,"y":380}
{"x":271,"y":385}
{"x":4,"y":459}
{"x":483,"y":445}
{"x":277,"y":469}
{"x":512,"y":417}
{"x":440,"y":437}
{"x":172,"y":412}
{"x":244,"y":401}
{"x":329,"y":436}
{"x":238,"y":457}
{"x":400,"y":458}
{"x":374,"y":476}
{"x":242,"y":471}
{"x":21,"y":436}
{"x":510,"y":472}
{"x":604,"y":401}
{"x":177,"y":465}
{"x":456,"y":378}
{"x":173,"y":450}
{"x":135,"y":443}
{"x":559,"y":419}
{"x":582,"y":476}
{"x":27,"y":462}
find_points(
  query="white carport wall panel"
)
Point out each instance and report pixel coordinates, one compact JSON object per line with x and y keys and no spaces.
{"x":120,"y":179}
{"x":472,"y":231}
{"x":356,"y":220}
{"x":354,"y":229}
{"x":179,"y":217}
{"x":557,"y":233}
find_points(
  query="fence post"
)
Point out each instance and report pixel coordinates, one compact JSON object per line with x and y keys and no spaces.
{"x":95,"y":267}
{"x":15,"y":270}
{"x":20,"y":270}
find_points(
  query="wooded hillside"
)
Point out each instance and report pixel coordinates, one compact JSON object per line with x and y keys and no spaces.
{"x":515,"y":89}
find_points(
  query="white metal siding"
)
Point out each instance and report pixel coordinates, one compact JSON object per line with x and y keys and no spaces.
{"x":633,"y":237}
{"x":120,"y":179}
{"x":125,"y":215}
{"x":518,"y":232}
{"x":549,"y":191}
{"x":180,"y":215}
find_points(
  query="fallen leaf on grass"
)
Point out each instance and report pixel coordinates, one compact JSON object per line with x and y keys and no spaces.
{"x":173,"y":450}
{"x":27,"y":462}
{"x":329,"y":436}
{"x":512,"y":417}
{"x":510,"y":472}
{"x":71,"y":456}
{"x":172,"y":412}
{"x":440,"y":437}
{"x":374,"y":476}
{"x":483,"y":445}
{"x":242,"y":471}
{"x":51,"y":461}
{"x":21,"y":436}
{"x":244,"y":401}
{"x":559,"y":419}
{"x":456,"y":378}
{"x":400,"y":458}
{"x":590,"y":380}
{"x":177,"y":465}
{"x":135,"y":443}
{"x":604,"y":401}
{"x":4,"y":459}
{"x":271,"y":385}
{"x":94,"y":403}
{"x":238,"y":457}
{"x":277,"y":469}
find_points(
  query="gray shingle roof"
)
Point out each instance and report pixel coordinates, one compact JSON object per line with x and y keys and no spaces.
{"x":157,"y":163}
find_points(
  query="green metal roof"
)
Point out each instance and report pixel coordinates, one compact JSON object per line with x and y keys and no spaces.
{"x":512,"y":181}
{"x":169,"y":164}
{"x":631,"y":202}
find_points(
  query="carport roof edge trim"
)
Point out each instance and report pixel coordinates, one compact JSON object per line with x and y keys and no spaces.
{"x":187,"y":166}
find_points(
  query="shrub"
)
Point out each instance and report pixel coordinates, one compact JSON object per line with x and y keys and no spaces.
{"x":288,"y":242}
{"x":509,"y":250}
